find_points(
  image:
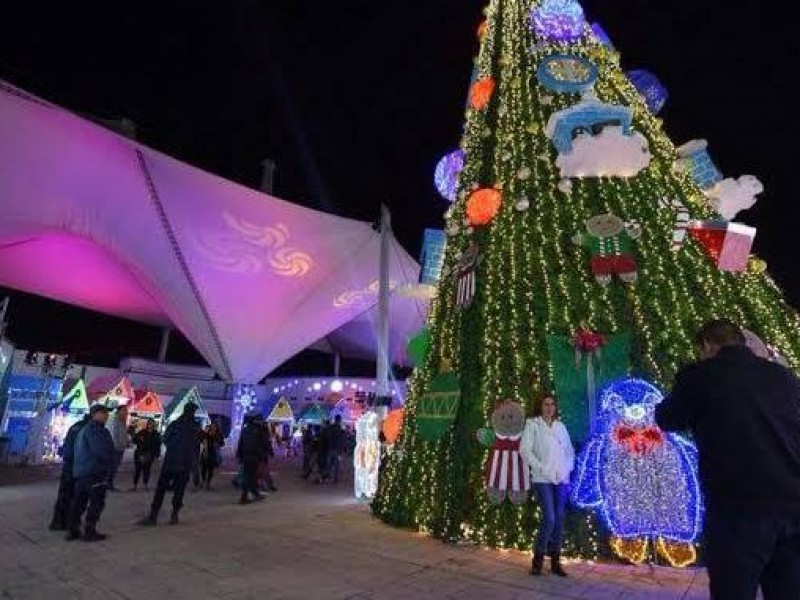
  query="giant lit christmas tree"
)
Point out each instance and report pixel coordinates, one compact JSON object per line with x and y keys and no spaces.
{"x":583,"y":247}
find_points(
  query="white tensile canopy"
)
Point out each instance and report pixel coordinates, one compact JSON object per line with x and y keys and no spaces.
{"x":94,"y":219}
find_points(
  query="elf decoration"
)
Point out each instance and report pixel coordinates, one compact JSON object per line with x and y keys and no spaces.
{"x":642,"y":481}
{"x":582,"y":364}
{"x":610,"y":241}
{"x":465,"y":275}
{"x":506,"y":473}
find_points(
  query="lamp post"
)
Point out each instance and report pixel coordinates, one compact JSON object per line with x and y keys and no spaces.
{"x":382,"y":375}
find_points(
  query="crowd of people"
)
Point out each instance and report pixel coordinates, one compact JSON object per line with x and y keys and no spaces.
{"x":94,"y":446}
{"x":323,"y":449}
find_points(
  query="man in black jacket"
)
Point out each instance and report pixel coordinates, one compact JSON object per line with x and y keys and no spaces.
{"x":92,"y":462}
{"x":66,"y":483}
{"x":182,"y":440}
{"x":251,"y":452}
{"x":744,"y":414}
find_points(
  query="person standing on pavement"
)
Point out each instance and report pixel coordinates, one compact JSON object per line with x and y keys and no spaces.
{"x":148,"y":448}
{"x":308,"y":450}
{"x":547,"y":451}
{"x":337,"y":445}
{"x":266,"y":483}
{"x":118,"y":427}
{"x":92,"y":463}
{"x":211,"y":453}
{"x":182,"y":440}
{"x":744,"y":414}
{"x":66,"y":483}
{"x":250,"y":453}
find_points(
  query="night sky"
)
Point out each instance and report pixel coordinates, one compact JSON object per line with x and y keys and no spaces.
{"x":357,"y":100}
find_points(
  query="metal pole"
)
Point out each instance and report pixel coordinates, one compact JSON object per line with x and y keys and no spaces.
{"x":162,"y":350}
{"x":337,"y":364}
{"x":3,"y":310}
{"x":382,"y":376}
{"x":268,"y":167}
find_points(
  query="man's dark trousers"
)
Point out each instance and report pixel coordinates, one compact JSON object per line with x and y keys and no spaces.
{"x":169,"y":480}
{"x":89,"y":491}
{"x":745,"y":552}
{"x":250,"y":476}
{"x":66,"y":487}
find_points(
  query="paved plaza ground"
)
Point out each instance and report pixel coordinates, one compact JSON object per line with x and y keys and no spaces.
{"x":306,"y":541}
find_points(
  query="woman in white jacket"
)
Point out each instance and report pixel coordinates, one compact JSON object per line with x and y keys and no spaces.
{"x":547,"y":450}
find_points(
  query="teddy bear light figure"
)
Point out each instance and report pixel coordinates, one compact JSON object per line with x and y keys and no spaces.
{"x":506,"y":473}
{"x":642,"y":481}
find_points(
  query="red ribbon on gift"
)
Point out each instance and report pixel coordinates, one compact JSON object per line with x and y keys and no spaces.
{"x":638,"y":441}
{"x":588,"y":341}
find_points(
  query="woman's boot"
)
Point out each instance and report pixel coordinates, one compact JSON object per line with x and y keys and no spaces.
{"x":538,"y":563}
{"x":555,"y":564}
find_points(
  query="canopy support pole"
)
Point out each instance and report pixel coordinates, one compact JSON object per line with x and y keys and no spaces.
{"x":162,"y":349}
{"x":337,"y":364}
{"x":382,"y":375}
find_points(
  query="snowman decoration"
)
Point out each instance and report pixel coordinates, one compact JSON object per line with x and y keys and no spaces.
{"x":642,"y":481}
{"x":506,"y":474}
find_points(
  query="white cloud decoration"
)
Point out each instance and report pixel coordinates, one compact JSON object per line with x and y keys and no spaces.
{"x":610,"y":153}
{"x":731,"y":196}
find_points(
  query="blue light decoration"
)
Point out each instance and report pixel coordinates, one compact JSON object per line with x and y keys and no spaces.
{"x":446,"y":176}
{"x":694,"y":158}
{"x":558,"y":21}
{"x":650,"y":88}
{"x":642,"y":481}
{"x":602,"y":36}
{"x":566,"y":73}
{"x":245,"y":400}
{"x":434,"y":244}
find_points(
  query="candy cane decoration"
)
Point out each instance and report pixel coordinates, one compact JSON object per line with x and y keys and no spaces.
{"x":681,"y":225}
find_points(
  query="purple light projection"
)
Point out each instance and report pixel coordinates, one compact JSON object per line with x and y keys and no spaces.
{"x":558,"y":21}
{"x":447,"y":172}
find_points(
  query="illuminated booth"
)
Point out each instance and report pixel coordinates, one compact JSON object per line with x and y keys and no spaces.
{"x":146,"y":405}
{"x":63,"y":414}
{"x":281,"y":418}
{"x":111,"y":391}
{"x":314,"y":414}
{"x":175,"y":407}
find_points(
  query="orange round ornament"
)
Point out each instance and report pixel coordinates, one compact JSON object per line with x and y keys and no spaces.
{"x":483,"y":206}
{"x":482,"y":30}
{"x":481,"y":93}
{"x":392,"y":425}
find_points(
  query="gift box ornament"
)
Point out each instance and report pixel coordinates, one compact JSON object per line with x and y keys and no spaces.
{"x":728,"y":244}
{"x":695,"y":159}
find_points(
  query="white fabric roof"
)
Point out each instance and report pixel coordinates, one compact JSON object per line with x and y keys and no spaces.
{"x":96,"y":220}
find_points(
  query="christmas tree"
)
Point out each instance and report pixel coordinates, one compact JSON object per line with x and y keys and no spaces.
{"x":583,"y":247}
